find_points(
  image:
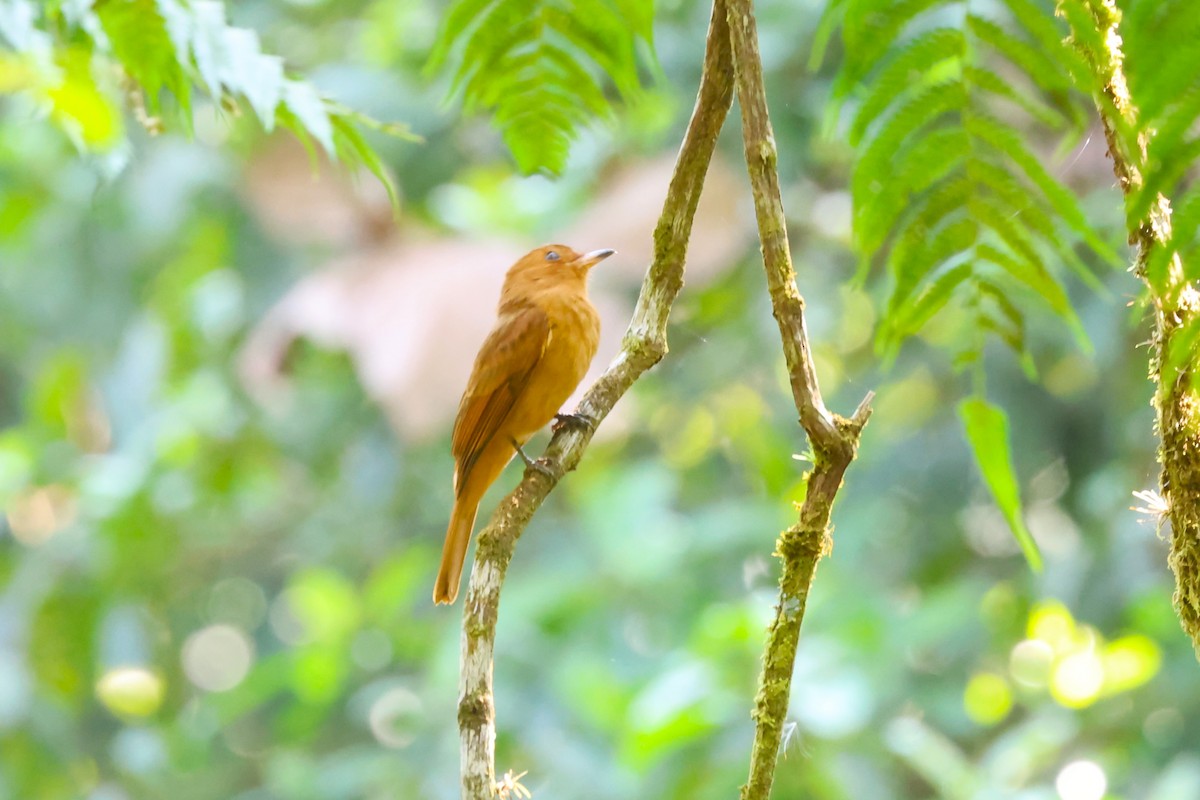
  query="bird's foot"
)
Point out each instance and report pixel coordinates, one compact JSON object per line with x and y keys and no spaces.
{"x":541,"y":465}
{"x":516,"y":446}
{"x":576,"y":421}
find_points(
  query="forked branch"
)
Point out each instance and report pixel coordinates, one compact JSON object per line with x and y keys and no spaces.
{"x":834,"y":439}
{"x":644,"y":345}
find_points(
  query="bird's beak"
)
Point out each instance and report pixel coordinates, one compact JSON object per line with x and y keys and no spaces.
{"x":589,"y":260}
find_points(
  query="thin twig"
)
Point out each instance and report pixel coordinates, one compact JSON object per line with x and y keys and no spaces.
{"x":834,"y":439}
{"x":1175,"y":300}
{"x":644,"y":345}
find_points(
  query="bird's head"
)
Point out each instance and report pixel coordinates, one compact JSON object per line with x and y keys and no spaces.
{"x":555,"y":264}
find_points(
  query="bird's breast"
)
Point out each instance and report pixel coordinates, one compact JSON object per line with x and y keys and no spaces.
{"x":574,"y":338}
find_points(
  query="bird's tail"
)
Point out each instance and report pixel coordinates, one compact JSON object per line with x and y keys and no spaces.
{"x":458,"y":536}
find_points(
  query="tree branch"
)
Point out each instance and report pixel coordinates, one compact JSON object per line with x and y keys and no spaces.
{"x":645,"y":343}
{"x":834,"y":439}
{"x":1176,"y":306}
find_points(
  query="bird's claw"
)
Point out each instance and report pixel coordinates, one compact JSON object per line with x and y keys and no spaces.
{"x":576,"y":421}
{"x":528,"y":461}
{"x":541,"y":465}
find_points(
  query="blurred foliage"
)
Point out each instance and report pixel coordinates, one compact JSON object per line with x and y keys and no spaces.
{"x":80,"y":62}
{"x":534,"y":65}
{"x":953,"y":112}
{"x":202,"y":598}
{"x":946,"y":182}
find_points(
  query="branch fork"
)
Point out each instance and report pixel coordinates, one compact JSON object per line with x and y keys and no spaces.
{"x":731,"y":50}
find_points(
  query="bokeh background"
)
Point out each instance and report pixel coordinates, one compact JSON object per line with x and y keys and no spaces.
{"x":226,"y":389}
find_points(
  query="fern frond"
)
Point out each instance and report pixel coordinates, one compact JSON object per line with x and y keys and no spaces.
{"x":910,"y":66}
{"x":951,"y":241}
{"x":916,"y":167}
{"x":1008,"y":142}
{"x":1047,"y":37}
{"x":1040,"y":66}
{"x":988,"y":81}
{"x":540,"y":67}
{"x":993,"y":297}
{"x":1162,"y":59}
{"x":1034,"y":276}
{"x":872,"y":27}
{"x":915,"y":112}
{"x":910,"y":316}
{"x":931,"y":210}
{"x":940,"y":182}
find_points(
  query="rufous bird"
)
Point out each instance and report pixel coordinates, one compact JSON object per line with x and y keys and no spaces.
{"x":544,"y":339}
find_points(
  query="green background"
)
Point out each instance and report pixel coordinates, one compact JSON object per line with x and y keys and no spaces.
{"x":206,"y":596}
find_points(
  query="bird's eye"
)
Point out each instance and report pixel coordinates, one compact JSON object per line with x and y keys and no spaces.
{"x":552,"y":256}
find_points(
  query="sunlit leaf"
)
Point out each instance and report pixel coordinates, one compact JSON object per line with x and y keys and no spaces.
{"x":987,"y":432}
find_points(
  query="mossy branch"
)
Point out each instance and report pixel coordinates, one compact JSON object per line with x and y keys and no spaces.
{"x":644,"y":345}
{"x":834,"y":439}
{"x":1175,"y":302}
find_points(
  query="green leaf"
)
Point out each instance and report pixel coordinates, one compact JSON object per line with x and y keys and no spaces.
{"x":139,"y":39}
{"x":639,"y":14}
{"x":540,"y":67}
{"x":936,"y":178}
{"x":911,"y":316}
{"x":871,"y":27}
{"x":208,"y":43}
{"x":1176,"y":62}
{"x":919,"y":165}
{"x":911,"y":117}
{"x":303,"y":101}
{"x":257,"y":77}
{"x":1009,"y":142}
{"x":1049,"y":37}
{"x":1035,"y":64}
{"x":986,"y":427}
{"x":922,"y":219}
{"x":955,"y":238}
{"x":1010,"y":195}
{"x":903,"y":71}
{"x":991,"y":82}
{"x":455,"y":23}
{"x":1184,"y":344}
{"x":830,"y":18}
{"x":601,"y":37}
{"x":1015,"y":213}
{"x":351,"y":146}
{"x":1035,"y":276}
{"x":1010,"y":324}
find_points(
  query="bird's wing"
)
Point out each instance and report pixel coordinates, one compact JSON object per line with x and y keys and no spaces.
{"x":501,"y":372}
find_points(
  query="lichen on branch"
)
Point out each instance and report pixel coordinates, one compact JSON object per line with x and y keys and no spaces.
{"x":1095,"y":31}
{"x":834,"y":439}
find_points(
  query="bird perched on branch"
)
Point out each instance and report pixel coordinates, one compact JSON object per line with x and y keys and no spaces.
{"x":545,"y":337}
